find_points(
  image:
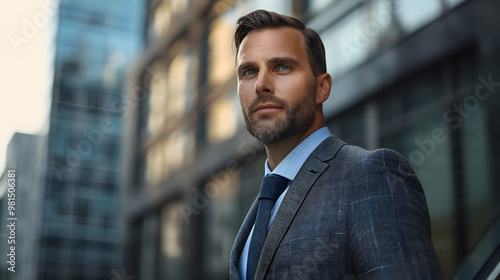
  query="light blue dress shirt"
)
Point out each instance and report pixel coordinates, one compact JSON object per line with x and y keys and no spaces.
{"x":288,"y":168}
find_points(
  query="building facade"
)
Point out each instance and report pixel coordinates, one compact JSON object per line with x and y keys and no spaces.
{"x":420,"y":77}
{"x":23,"y":196}
{"x":79,"y":229}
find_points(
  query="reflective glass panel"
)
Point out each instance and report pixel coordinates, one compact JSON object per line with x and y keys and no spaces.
{"x":453,"y":3}
{"x":414,"y":14}
{"x":345,"y":43}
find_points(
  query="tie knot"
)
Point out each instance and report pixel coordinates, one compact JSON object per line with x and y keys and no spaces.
{"x":272,"y":186}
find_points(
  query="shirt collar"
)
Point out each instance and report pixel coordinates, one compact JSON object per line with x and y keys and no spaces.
{"x":290,"y":165}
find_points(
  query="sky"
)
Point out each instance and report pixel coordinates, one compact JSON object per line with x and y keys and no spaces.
{"x":26,"y":59}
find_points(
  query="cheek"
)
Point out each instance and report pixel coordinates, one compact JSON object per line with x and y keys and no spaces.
{"x":296,"y":89}
{"x":245,"y":93}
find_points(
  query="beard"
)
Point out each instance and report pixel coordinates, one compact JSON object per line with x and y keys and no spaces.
{"x":272,"y":128}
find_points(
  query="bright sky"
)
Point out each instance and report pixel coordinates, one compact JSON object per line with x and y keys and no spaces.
{"x":25,"y":74}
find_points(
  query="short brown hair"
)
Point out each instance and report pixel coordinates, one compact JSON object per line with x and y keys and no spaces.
{"x":262,"y":19}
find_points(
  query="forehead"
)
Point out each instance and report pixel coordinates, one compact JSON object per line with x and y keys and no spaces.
{"x":276,"y":42}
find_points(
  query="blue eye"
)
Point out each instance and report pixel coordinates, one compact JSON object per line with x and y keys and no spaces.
{"x":249,"y":72}
{"x":284,"y":67}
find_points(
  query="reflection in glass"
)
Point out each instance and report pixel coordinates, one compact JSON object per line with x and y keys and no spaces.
{"x":169,"y":154}
{"x":221,"y":57}
{"x":172,"y":236}
{"x":453,"y":3}
{"x":414,"y":14}
{"x":221,"y":217}
{"x":158,"y":98}
{"x":357,"y":35}
{"x":317,"y":5}
{"x":177,"y":83}
{"x":222,"y":119}
{"x":479,"y":195}
{"x":279,"y":6}
{"x":171,"y":232}
{"x":345,"y":43}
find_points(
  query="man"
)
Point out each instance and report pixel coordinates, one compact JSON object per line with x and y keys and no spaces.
{"x":344,"y":213}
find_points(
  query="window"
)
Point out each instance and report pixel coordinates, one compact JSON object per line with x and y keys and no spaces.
{"x":350,"y":127}
{"x":222,"y":119}
{"x":414,"y":14}
{"x":148,"y":252}
{"x":346,"y":43}
{"x":221,"y":56}
{"x":315,"y":6}
{"x":453,"y":3}
{"x":279,"y":6}
{"x":222,"y":216}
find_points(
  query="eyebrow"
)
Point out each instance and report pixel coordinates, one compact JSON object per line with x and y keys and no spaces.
{"x":246,"y":65}
{"x":283,"y":60}
{"x":273,"y":61}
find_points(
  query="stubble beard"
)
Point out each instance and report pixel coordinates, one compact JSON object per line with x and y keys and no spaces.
{"x":271,"y":128}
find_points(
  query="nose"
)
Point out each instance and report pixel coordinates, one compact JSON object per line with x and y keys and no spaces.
{"x":264,"y":83}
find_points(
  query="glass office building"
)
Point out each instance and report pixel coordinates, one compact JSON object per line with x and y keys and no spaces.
{"x":420,"y":77}
{"x":95,"y":45}
{"x":23,"y":196}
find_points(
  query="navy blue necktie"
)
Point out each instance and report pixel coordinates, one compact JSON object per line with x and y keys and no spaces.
{"x":271,"y":188}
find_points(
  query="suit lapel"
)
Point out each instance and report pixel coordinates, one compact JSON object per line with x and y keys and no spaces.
{"x":241,"y":239}
{"x":312,"y":168}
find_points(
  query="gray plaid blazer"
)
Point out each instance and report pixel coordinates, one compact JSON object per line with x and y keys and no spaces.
{"x":348,"y":214}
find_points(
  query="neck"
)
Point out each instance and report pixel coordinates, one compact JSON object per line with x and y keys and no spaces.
{"x":277,"y":151}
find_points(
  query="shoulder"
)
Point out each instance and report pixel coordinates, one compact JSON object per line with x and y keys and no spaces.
{"x":361,"y":166}
{"x":379,"y":160}
{"x":374,"y":173}
{"x":341,"y":155}
{"x":335,"y":150}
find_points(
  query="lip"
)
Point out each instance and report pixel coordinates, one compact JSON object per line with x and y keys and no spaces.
{"x":267,"y":107}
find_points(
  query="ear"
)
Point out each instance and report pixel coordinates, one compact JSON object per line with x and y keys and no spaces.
{"x":323,"y":87}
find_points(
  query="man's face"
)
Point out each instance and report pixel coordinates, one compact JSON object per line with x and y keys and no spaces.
{"x":276,"y":85}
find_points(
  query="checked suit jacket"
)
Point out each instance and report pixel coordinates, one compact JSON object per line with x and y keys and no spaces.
{"x":348,"y":214}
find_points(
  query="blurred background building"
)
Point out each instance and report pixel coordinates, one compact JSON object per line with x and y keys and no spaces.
{"x":147,"y":170}
{"x":421,"y":77}
{"x":69,"y":204}
{"x":80,"y":232}
{"x":29,"y":171}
